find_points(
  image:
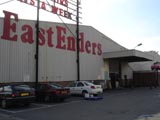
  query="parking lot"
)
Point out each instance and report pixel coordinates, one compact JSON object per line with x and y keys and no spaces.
{"x":126,"y":104}
{"x":40,"y":105}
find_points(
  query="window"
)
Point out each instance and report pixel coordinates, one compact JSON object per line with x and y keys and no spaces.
{"x":1,"y":89}
{"x":88,"y":83}
{"x":80,"y":84}
{"x":42,"y":87}
{"x":21,"y":87}
{"x":7,"y":88}
{"x":53,"y":85}
{"x":72,"y":85}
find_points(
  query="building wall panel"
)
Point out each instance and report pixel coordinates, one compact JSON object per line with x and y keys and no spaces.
{"x":17,"y":63}
{"x":17,"y":58}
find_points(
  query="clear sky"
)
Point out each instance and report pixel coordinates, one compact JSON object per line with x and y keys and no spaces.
{"x":128,"y":22}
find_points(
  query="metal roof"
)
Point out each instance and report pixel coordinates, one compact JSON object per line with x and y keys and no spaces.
{"x":128,"y":56}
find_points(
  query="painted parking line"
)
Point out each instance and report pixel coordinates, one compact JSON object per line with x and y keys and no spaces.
{"x":145,"y":117}
{"x":5,"y":110}
{"x":15,"y":109}
{"x":39,"y":106}
{"x":48,"y":106}
{"x":119,"y":94}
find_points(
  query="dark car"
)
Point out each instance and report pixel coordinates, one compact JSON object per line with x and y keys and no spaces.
{"x":51,"y":92}
{"x":11,"y":94}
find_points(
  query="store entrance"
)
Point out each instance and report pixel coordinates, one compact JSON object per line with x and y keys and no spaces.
{"x":114,"y":79}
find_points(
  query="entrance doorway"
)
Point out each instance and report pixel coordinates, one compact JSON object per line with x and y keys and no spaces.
{"x":114,"y":78}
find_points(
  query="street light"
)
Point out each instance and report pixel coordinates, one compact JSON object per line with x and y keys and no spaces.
{"x":138,"y":45}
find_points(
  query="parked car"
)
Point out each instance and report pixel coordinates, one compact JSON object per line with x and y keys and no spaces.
{"x":83,"y":87}
{"x":11,"y":94}
{"x":155,"y":66}
{"x":51,"y":92}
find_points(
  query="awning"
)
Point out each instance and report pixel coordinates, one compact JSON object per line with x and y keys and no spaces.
{"x":128,"y":56}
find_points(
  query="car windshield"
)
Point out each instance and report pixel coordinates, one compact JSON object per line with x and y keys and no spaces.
{"x":21,"y":87}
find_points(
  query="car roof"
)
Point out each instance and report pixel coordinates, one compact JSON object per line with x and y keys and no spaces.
{"x":84,"y":81}
{"x":46,"y":83}
{"x":12,"y":84}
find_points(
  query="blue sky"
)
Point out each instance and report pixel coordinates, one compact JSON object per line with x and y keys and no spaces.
{"x":140,"y":15}
{"x":128,"y":22}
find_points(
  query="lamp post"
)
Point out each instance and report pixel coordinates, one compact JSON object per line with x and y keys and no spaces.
{"x":138,"y":45}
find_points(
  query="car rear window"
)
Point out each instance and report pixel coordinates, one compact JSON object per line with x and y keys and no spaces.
{"x":88,"y":83}
{"x":72,"y":85}
{"x":21,"y":87}
{"x":55,"y":85}
{"x":1,"y":89}
{"x":7,"y":88}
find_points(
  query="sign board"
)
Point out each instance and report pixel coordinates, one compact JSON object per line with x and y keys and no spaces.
{"x":62,"y":8}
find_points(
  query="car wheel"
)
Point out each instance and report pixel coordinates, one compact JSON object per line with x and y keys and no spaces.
{"x":84,"y":92}
{"x":47,"y":98}
{"x":4,"y":104}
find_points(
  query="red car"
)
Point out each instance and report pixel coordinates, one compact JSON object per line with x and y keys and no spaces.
{"x":156,"y":66}
{"x":51,"y":92}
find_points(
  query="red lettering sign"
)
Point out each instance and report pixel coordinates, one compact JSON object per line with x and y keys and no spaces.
{"x":9,"y":27}
{"x":61,"y":38}
{"x":50,"y":33}
{"x":27,"y":36}
{"x":52,"y":8}
{"x":88,"y":46}
{"x":81,"y":42}
{"x":61,"y":2}
{"x":46,"y":36}
{"x":42,"y":39}
{"x":71,"y":44}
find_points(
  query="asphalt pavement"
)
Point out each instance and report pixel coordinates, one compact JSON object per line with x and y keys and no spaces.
{"x":125,"y":104}
{"x":8,"y":117}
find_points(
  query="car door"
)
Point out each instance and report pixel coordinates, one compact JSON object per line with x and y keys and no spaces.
{"x":41,"y":90}
{"x":79,"y":88}
{"x":72,"y":88}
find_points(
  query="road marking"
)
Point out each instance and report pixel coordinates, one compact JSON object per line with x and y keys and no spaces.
{"x":48,"y":106}
{"x":4,"y":110}
{"x":39,"y":104}
{"x":145,"y":117}
{"x":43,"y":107}
{"x":124,"y":93}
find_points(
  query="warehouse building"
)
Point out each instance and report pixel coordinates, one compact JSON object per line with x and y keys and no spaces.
{"x":101,"y":58}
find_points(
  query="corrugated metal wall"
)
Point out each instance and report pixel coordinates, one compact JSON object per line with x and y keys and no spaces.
{"x":17,"y":59}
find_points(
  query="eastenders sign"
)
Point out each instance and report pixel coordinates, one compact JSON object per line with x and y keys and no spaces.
{"x":59,"y":7}
{"x":53,"y":37}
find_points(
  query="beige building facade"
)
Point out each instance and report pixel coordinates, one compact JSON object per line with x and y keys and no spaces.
{"x":101,"y":58}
